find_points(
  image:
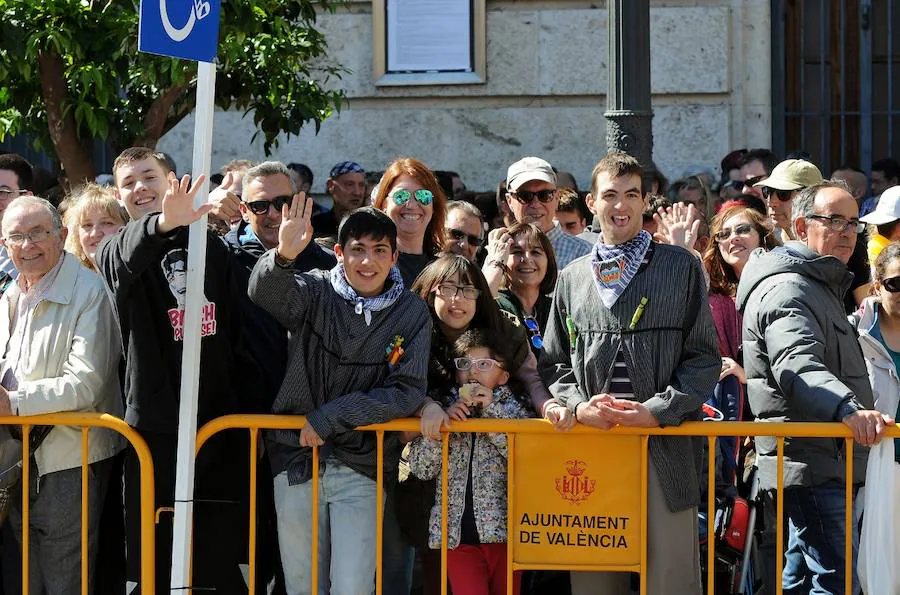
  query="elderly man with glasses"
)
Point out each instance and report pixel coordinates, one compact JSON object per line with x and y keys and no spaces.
{"x":803,"y":364}
{"x":60,"y":354}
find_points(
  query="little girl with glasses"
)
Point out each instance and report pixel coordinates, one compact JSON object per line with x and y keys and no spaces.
{"x":476,"y":477}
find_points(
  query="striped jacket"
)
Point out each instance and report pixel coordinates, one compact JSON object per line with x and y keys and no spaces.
{"x":338,"y":374}
{"x":672,"y":356}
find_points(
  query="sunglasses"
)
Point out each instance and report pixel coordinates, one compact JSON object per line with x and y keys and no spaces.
{"x":892,"y":284}
{"x":782,"y":195}
{"x":261,"y":207}
{"x":465,"y":364}
{"x":749,"y":182}
{"x":459,"y":235}
{"x":531,"y":324}
{"x":744,"y":229}
{"x":422,"y":196}
{"x":525,"y":197}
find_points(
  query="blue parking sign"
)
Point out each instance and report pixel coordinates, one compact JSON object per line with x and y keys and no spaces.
{"x":186,"y":29}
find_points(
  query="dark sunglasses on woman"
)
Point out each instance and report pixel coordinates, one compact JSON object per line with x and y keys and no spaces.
{"x":892,"y":284}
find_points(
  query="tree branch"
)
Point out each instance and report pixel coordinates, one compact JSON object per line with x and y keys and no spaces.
{"x":76,"y":159}
{"x":158,"y":115}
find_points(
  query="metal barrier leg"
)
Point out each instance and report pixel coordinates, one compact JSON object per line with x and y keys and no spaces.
{"x":26,"y":504}
{"x":85,"y":551}
{"x":315,"y":520}
{"x":711,"y":518}
{"x":251,"y":558}
{"x":849,"y":520}
{"x":779,"y":506}
{"x":510,"y":509}
{"x":645,"y":461}
{"x":445,"y":449}
{"x":379,"y":512}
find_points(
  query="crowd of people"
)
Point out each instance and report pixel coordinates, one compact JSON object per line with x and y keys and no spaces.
{"x":765,"y":293}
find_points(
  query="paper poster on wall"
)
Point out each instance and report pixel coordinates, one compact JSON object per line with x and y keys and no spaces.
{"x":429,"y":36}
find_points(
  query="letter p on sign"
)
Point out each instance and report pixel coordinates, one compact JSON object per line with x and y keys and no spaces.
{"x":187,"y":29}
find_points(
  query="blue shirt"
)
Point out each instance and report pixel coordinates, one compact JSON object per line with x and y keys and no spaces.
{"x":875,"y":331}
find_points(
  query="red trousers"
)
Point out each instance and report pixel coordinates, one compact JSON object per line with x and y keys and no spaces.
{"x":480,"y":570}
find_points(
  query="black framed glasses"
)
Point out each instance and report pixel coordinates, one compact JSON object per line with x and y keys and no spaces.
{"x":744,"y":229}
{"x":749,"y":182}
{"x":536,"y":340}
{"x":892,"y":284}
{"x":525,"y":196}
{"x":422,"y":196}
{"x":782,"y":195}
{"x":465,"y":364}
{"x":839,"y":224}
{"x":449,"y":291}
{"x":459,"y":235}
{"x":261,"y":207}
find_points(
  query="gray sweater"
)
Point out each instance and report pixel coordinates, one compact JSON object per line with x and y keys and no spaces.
{"x":337,"y":371}
{"x":672,"y":357}
{"x":803,"y":361}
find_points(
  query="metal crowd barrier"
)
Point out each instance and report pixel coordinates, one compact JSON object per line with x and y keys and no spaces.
{"x":514,"y":428}
{"x":86,"y":421}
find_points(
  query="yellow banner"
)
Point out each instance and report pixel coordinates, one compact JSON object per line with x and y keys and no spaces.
{"x":576,"y":500}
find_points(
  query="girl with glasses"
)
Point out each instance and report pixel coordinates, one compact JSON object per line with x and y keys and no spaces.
{"x":410,"y":195}
{"x":476,"y":540}
{"x":530,"y":278}
{"x":879,"y":337}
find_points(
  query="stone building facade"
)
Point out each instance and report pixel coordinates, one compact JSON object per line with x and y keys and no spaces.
{"x":544,"y":94}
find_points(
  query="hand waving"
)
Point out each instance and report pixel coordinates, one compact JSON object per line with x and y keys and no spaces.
{"x":296,"y":231}
{"x":178,"y":204}
{"x":678,"y":225}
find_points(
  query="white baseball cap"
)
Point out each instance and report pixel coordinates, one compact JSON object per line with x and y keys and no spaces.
{"x":887,"y":209}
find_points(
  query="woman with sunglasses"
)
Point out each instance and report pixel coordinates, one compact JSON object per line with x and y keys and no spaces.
{"x":410,"y":195}
{"x":735,"y":232}
{"x":879,"y":337}
{"x":530,"y":279}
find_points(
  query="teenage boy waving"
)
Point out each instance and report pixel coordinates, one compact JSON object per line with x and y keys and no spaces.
{"x":358,"y":355}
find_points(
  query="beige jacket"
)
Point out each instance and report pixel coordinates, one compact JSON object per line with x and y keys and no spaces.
{"x":71,"y":363}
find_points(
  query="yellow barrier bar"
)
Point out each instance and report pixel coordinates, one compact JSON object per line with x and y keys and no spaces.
{"x":445,"y":450}
{"x":379,"y":511}
{"x":779,"y":508}
{"x":645,"y":474}
{"x":540,"y":426}
{"x":848,"y":520}
{"x":95,"y":420}
{"x":254,"y":455}
{"x":84,"y":510}
{"x":315,"y":519}
{"x":510,"y":508}
{"x":711,"y":518}
{"x":26,"y":504}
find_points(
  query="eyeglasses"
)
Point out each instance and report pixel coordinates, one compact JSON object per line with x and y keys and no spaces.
{"x":749,"y":182}
{"x":734,"y":185}
{"x":531,"y":324}
{"x":744,"y":229}
{"x":8,"y":193}
{"x":525,"y":197}
{"x":783,"y":195}
{"x":448,"y":291}
{"x":839,"y":224}
{"x":465,"y":364}
{"x":261,"y":207}
{"x":35,"y":236}
{"x":422,"y":196}
{"x":459,"y":235}
{"x":892,"y":284}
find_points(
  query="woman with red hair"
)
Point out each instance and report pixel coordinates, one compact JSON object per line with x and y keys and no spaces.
{"x":410,"y":195}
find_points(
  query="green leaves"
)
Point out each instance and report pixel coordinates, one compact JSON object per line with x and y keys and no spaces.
{"x":273,"y":63}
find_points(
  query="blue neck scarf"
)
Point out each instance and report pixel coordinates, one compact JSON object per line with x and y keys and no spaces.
{"x":366,"y":305}
{"x":615,"y":266}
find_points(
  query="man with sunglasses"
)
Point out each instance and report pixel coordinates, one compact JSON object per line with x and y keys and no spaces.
{"x":532,"y":198}
{"x":464,"y":228}
{"x":787,"y":179}
{"x":803,"y":364}
{"x":755,"y":165}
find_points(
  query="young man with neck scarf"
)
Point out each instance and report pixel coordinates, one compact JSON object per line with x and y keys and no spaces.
{"x":358,"y":355}
{"x":631,"y":342}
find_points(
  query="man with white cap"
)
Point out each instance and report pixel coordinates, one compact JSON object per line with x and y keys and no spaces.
{"x":886,"y":219}
{"x":532,"y":198}
{"x":786,"y":180}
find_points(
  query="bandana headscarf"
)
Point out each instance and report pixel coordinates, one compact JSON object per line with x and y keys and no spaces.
{"x":367,"y":305}
{"x":615,"y":266}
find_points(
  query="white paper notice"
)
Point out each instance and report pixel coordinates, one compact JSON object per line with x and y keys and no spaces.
{"x":429,"y":35}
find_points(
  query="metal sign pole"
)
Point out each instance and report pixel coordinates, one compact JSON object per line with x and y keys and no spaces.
{"x":190,"y":360}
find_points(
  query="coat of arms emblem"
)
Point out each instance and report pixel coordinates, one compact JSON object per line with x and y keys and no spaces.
{"x":575,"y":486}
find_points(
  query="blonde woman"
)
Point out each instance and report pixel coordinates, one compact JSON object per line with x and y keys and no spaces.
{"x":93,"y":214}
